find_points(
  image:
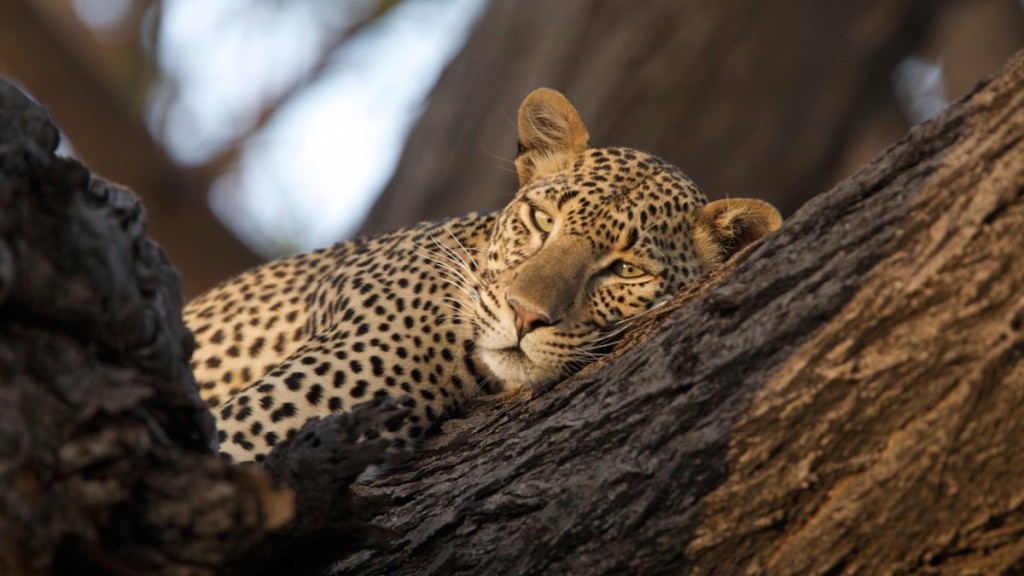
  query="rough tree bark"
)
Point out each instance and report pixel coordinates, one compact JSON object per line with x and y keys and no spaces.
{"x":101,"y":427}
{"x":105,"y":458}
{"x":842,"y":398}
{"x":750,"y":100}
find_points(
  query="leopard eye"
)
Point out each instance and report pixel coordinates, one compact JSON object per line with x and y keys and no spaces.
{"x":627,"y":270}
{"x":542,"y":220}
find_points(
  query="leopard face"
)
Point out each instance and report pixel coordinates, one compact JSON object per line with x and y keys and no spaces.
{"x":576,"y":255}
{"x":594,"y":238}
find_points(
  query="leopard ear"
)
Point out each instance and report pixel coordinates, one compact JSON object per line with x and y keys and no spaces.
{"x":724,"y":227}
{"x":551,"y":135}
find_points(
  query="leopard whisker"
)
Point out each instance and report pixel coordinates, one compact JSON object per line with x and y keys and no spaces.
{"x":463,"y":247}
{"x":457,"y":305}
{"x":455,"y":257}
{"x":482,"y":383}
{"x":504,"y":163}
{"x":456,"y":277}
{"x":460,"y":285}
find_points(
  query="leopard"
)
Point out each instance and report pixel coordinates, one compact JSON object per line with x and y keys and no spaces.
{"x":441,"y":312}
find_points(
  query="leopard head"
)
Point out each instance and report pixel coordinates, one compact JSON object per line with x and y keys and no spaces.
{"x":594,"y":238}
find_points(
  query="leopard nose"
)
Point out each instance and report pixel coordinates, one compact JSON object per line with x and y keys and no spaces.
{"x":526,"y":320}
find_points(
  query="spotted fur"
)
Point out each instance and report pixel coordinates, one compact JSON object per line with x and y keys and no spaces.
{"x":439,"y":311}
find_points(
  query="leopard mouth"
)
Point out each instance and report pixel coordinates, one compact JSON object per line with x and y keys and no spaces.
{"x":513,"y":368}
{"x":513,"y":351}
{"x":500,"y":360}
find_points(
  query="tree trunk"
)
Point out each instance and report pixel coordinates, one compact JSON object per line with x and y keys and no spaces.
{"x":105,"y":460}
{"x":116,"y":142}
{"x":749,"y":99}
{"x":840,"y":399}
{"x":843,"y":400}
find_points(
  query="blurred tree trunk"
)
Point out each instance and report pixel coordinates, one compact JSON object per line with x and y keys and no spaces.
{"x":748,"y":99}
{"x":50,"y":59}
{"x":974,"y":36}
{"x":778,"y":102}
{"x":968,"y":40}
{"x":844,"y":398}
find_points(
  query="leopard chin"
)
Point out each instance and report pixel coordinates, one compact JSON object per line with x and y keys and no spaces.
{"x":513,"y":369}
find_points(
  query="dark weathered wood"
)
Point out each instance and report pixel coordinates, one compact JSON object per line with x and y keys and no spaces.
{"x":105,"y":460}
{"x":845,"y":401}
{"x":749,"y":100}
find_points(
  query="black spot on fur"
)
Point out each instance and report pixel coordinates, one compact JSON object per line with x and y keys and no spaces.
{"x":294,"y":380}
{"x":287,"y":410}
{"x":359,"y":390}
{"x":378,"y":366}
{"x":315,"y":394}
{"x":240,"y":439}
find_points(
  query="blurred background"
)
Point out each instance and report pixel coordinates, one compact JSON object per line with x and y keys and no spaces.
{"x":258,"y":128}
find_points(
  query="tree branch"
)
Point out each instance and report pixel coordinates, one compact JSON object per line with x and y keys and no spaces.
{"x":844,"y":401}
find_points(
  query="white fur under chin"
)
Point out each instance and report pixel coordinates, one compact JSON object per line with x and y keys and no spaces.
{"x":514,"y":370}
